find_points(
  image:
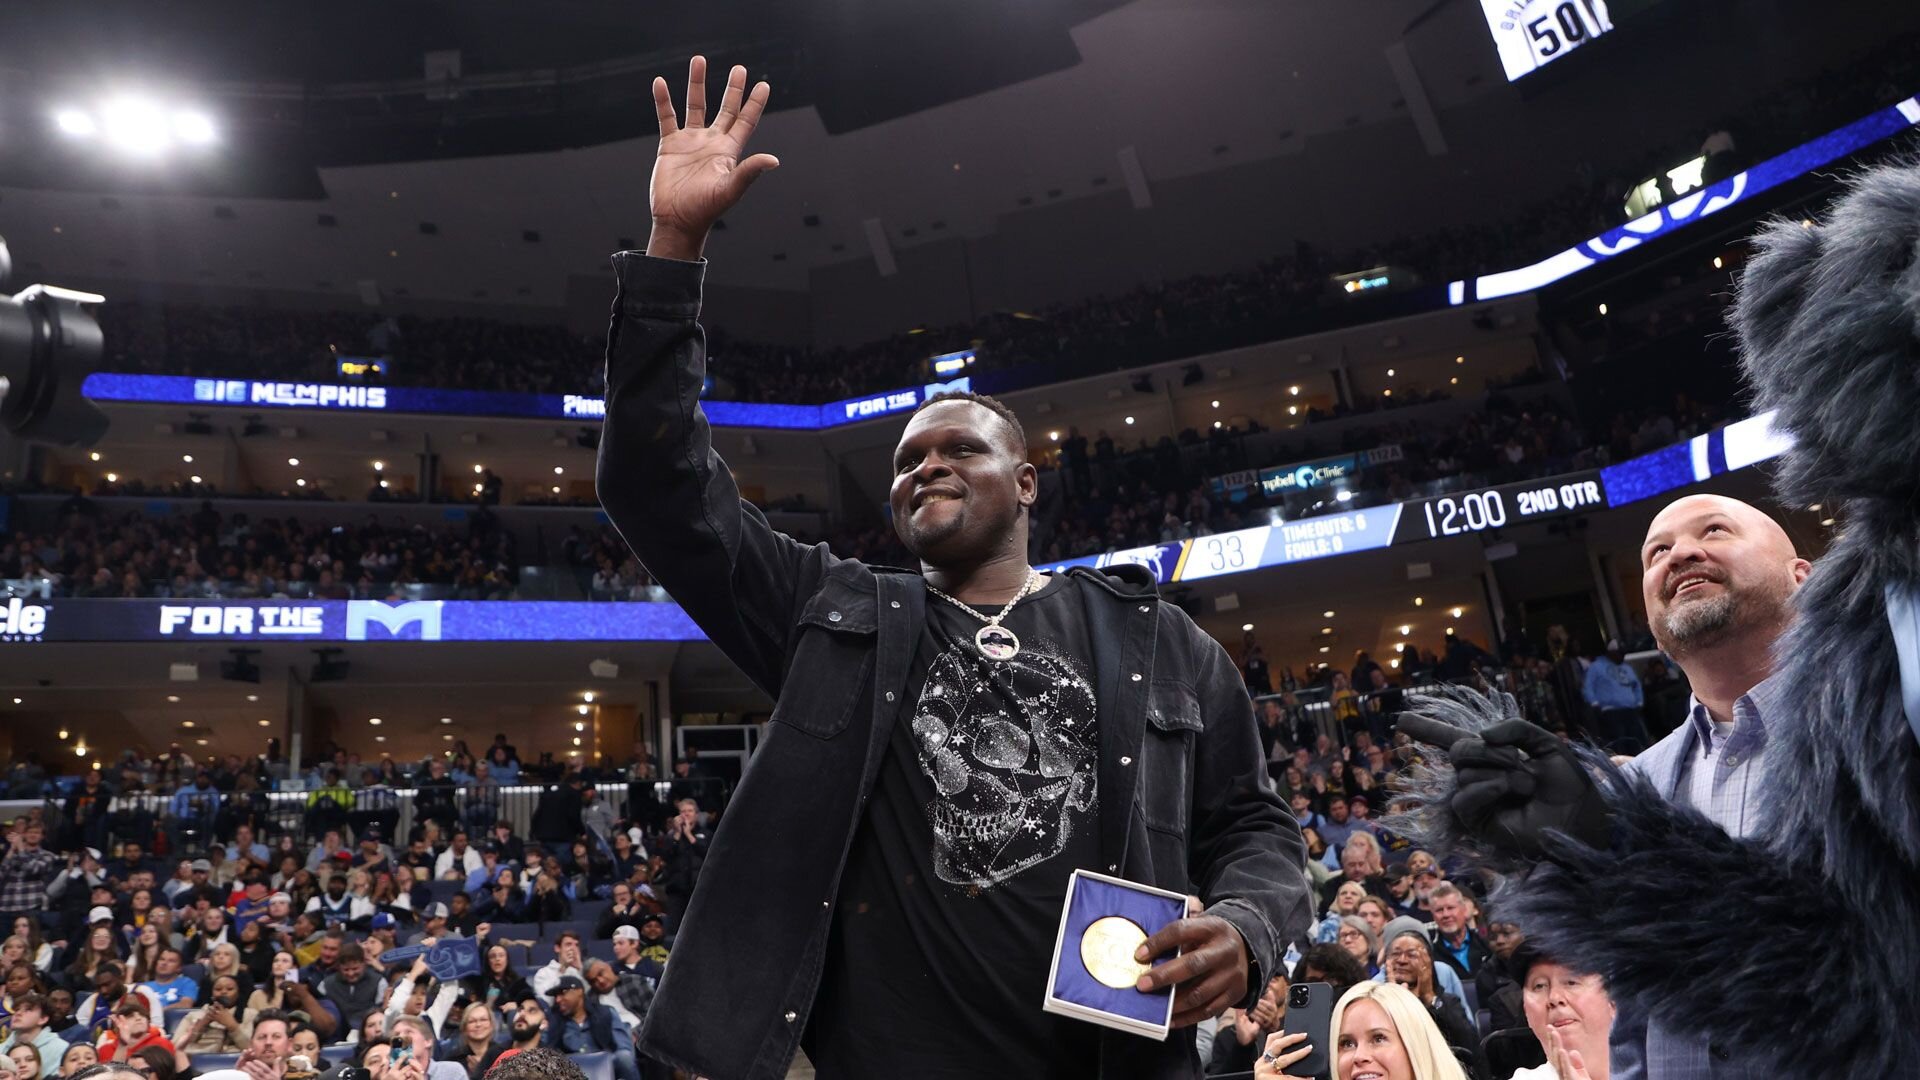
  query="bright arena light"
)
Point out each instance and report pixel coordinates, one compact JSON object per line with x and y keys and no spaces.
{"x":135,"y":126}
{"x":78,"y":123}
{"x":193,"y":127}
{"x":139,"y":126}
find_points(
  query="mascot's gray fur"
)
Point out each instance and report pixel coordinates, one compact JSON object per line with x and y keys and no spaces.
{"x":1801,"y":944}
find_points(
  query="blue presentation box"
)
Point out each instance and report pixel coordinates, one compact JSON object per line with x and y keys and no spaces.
{"x":1103,"y":920}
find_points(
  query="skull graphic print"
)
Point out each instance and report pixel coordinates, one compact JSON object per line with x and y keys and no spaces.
{"x":1010,"y":747}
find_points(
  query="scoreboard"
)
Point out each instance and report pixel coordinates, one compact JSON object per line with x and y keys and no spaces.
{"x":1531,"y":34}
{"x":1479,"y":510}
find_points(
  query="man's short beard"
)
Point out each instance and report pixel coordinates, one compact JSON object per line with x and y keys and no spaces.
{"x":1702,"y":624}
{"x":1699,"y":624}
{"x":918,"y":539}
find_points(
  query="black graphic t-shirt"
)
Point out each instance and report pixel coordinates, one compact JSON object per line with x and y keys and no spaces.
{"x":985,"y":803}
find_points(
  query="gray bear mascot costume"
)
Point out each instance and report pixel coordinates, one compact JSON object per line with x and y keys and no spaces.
{"x":1800,"y":945}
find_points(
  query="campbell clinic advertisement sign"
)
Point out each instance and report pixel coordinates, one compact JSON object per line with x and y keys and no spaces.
{"x":23,"y":620}
{"x":1306,"y":474}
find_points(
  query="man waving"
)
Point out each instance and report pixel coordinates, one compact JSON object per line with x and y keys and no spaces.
{"x":948,"y":744}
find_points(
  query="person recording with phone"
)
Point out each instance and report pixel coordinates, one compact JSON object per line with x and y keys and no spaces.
{"x":289,"y":991}
{"x":1378,"y":1030}
{"x":219,"y":1027}
{"x":400,"y":1059}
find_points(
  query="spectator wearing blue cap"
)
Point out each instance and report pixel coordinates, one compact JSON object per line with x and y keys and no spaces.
{"x":385,"y":927}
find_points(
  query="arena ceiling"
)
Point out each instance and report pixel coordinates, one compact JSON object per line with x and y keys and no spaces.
{"x":338,"y":162}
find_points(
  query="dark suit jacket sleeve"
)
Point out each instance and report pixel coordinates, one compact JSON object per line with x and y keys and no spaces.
{"x":668,"y":491}
{"x":1248,"y":861}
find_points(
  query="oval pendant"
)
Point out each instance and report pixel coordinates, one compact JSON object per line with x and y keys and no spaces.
{"x":996,"y":643}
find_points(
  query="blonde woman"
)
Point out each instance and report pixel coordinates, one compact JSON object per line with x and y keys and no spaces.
{"x":1361,"y":860}
{"x":13,"y":951}
{"x":1346,"y":901}
{"x":476,"y":1048}
{"x":1378,"y":1029}
{"x":224,"y":959}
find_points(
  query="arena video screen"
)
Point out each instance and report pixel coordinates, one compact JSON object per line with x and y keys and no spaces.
{"x":1530,"y":34}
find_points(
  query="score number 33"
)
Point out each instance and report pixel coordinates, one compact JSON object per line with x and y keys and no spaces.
{"x":1225,"y":553}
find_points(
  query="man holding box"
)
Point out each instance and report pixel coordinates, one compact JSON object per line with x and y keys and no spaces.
{"x":947,"y":745}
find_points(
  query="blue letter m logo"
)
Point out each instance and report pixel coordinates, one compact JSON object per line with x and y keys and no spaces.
{"x":396,"y":618}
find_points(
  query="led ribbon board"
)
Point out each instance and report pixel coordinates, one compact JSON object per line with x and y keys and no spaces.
{"x":353,"y":397}
{"x":1684,"y":211}
{"x":27,"y":620}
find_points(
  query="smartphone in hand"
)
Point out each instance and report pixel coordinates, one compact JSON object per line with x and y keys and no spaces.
{"x":1310,"y":1013}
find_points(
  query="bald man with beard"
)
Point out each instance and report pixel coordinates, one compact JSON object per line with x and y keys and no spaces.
{"x":1718,"y":578}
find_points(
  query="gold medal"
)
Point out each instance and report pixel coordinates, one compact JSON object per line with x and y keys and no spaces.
{"x":1106,"y":948}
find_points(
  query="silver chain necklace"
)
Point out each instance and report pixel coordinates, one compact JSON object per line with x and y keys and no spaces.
{"x":994,"y":641}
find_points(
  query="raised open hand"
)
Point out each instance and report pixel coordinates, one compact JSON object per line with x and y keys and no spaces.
{"x":699,"y":174}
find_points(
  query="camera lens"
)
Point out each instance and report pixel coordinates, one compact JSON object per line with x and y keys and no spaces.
{"x":1299,"y":995}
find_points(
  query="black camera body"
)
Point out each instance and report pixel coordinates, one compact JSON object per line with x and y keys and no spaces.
{"x":48,"y":346}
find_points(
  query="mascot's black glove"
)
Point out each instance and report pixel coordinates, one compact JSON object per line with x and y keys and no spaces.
{"x":1515,"y":782}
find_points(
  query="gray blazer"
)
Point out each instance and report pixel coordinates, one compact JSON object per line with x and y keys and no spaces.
{"x":1644,"y":1051}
